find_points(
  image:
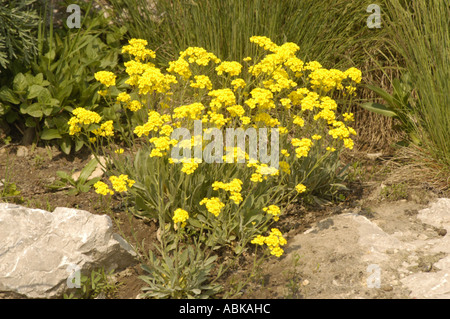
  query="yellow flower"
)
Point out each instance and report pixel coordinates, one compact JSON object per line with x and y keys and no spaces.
{"x":285,"y":152}
{"x":189,"y":167}
{"x":285,"y":167}
{"x":201,"y":82}
{"x":300,"y":188}
{"x":273,"y":210}
{"x":316,"y":137}
{"x":180,"y":216}
{"x":82,"y":117}
{"x":134,"y":106}
{"x":106,"y":129}
{"x":354,"y":74}
{"x":121,"y":182}
{"x":302,"y":146}
{"x":119,"y":151}
{"x":286,"y":103}
{"x":348,"y":117}
{"x":102,"y":92}
{"x":123,"y":97}
{"x":232,"y":68}
{"x":102,"y":189}
{"x":106,"y":78}
{"x":213,"y":205}
{"x":238,"y":83}
{"x":298,"y":121}
{"x":234,"y":187}
{"x":137,"y":49}
{"x":273,"y":241}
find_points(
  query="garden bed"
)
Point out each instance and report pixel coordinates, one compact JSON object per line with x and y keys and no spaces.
{"x":30,"y":169}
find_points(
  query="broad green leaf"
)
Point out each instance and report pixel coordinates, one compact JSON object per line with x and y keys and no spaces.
{"x":63,"y":175}
{"x":8,"y":95}
{"x":65,"y":144}
{"x":44,"y":96}
{"x":87,"y":170}
{"x":50,"y":134}
{"x":34,"y":91}
{"x":33,"y":110}
{"x":379,"y":108}
{"x":383,"y":94}
{"x":78,"y":144}
{"x":20,"y":84}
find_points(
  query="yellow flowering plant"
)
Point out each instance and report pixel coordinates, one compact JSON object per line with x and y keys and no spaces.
{"x":231,"y":196}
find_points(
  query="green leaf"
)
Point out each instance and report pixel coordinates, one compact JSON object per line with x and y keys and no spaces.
{"x":20,"y":84}
{"x":34,"y":91}
{"x":78,"y":144}
{"x":4,"y":108}
{"x":8,"y":95}
{"x":33,"y":110}
{"x":383,"y":94}
{"x":379,"y":108}
{"x":87,"y":170}
{"x":65,"y":144}
{"x":50,"y":134}
{"x":44,"y":96}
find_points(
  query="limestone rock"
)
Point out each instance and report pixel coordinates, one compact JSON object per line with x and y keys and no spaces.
{"x":41,"y":250}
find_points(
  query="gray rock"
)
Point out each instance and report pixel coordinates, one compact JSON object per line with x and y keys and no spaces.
{"x":41,"y":251}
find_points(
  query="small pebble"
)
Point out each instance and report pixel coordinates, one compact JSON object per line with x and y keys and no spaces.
{"x":387,"y":287}
{"x":305,"y":282}
{"x":442,"y":232}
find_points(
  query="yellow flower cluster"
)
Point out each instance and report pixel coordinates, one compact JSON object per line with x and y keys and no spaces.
{"x":106,"y":78}
{"x":234,"y":187}
{"x":221,"y":98}
{"x":153,"y":80}
{"x":300,"y":188}
{"x":302,"y":146}
{"x":262,"y":171}
{"x":202,"y":82}
{"x":82,"y":117}
{"x":192,"y":111}
{"x":102,"y":189}
{"x":190,"y":165}
{"x":180,"y":216}
{"x":193,"y":55}
{"x":273,"y":241}
{"x":120,"y":183}
{"x":162,"y":145}
{"x":231,"y":67}
{"x":238,"y":83}
{"x":273,"y":210}
{"x":262,"y":98}
{"x":154,"y":122}
{"x":106,"y":129}
{"x":342,"y":132}
{"x":214,"y":205}
{"x":134,"y":105}
{"x":137,"y":48}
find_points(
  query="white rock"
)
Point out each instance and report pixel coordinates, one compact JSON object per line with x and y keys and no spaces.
{"x":40,"y":250}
